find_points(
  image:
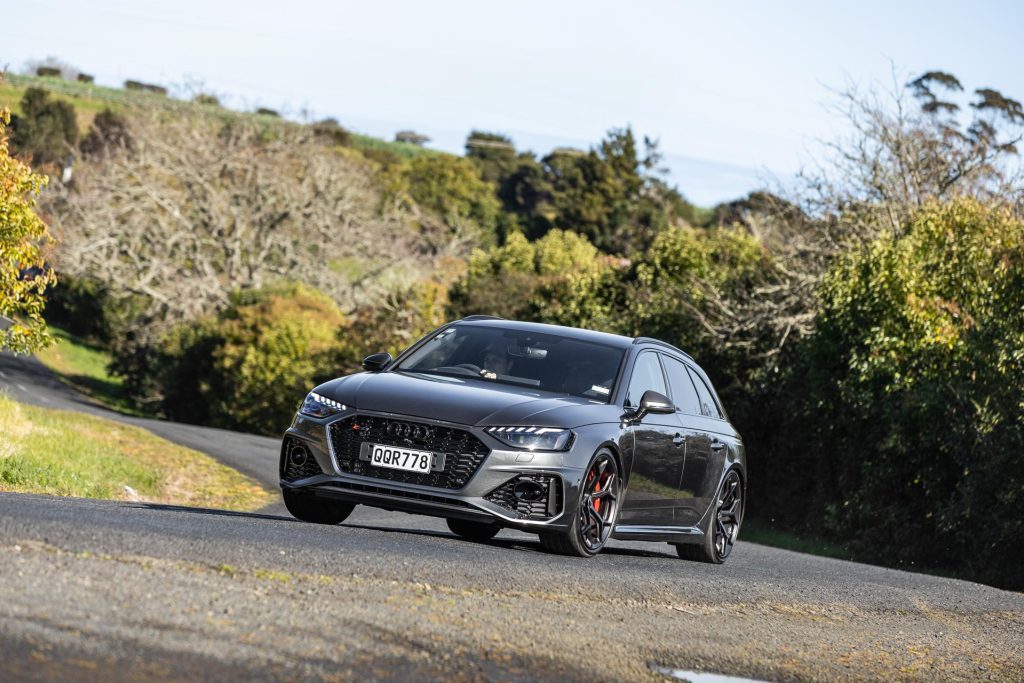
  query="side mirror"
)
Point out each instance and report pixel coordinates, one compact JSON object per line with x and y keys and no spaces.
{"x":653,"y":403}
{"x":377,"y":361}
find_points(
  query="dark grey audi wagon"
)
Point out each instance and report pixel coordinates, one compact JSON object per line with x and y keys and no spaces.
{"x":575,"y":435}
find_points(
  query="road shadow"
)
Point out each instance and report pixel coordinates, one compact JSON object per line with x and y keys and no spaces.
{"x":207,"y":511}
{"x":519,"y":544}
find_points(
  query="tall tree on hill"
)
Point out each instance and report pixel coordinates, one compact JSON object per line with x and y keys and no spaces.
{"x":45,"y":130}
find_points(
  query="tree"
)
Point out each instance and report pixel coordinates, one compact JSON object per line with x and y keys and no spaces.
{"x":24,"y":276}
{"x":901,"y":156}
{"x":249,"y":367}
{"x":493,"y":153}
{"x":197,"y":209}
{"x":45,"y":130}
{"x":109,"y":132}
{"x":901,"y":423}
{"x":452,"y":188}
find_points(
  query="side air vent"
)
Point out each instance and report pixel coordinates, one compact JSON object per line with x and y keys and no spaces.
{"x":531,"y":496}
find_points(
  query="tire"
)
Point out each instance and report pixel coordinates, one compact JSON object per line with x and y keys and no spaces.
{"x":723,"y":527}
{"x":473,"y":531}
{"x":315,"y":510}
{"x":596,"y":510}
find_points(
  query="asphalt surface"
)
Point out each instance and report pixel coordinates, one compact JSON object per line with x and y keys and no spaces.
{"x":94,"y":590}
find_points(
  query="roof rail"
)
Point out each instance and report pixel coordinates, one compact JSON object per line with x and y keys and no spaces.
{"x":482,"y":317}
{"x":652,"y":340}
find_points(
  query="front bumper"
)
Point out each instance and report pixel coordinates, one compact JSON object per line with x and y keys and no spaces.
{"x":485,"y":497}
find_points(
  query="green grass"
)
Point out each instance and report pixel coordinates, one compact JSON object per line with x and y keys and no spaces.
{"x":84,"y":366}
{"x":764,"y":533}
{"x":69,"y":454}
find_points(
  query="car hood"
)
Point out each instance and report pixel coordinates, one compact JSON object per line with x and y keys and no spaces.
{"x":467,"y":401}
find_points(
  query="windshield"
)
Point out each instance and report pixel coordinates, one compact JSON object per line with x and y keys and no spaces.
{"x":541,"y":361}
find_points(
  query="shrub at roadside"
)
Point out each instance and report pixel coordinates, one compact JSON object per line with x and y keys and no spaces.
{"x":902,"y":422}
{"x":249,"y":368}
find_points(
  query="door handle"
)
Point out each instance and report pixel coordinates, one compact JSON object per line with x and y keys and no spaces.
{"x":679,"y":439}
{"x":717,"y":445}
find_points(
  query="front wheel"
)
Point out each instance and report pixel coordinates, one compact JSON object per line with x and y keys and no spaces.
{"x":718,"y":541}
{"x":473,"y":531}
{"x":596,"y":510}
{"x":315,"y":510}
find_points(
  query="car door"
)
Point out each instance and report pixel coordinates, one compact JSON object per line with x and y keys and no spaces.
{"x":653,"y":489}
{"x":690,"y":505}
{"x":701,"y":473}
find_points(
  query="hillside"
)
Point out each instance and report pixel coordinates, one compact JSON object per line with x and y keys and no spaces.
{"x":89,"y":99}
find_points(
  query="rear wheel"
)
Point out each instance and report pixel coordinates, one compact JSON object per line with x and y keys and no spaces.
{"x":596,"y":511}
{"x":315,"y":510}
{"x":473,"y":531}
{"x":718,"y":541}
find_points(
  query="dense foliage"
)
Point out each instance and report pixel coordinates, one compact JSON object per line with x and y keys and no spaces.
{"x":249,"y":367}
{"x":900,"y":425}
{"x":23,"y":280}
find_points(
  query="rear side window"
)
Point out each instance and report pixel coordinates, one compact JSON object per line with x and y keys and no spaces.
{"x":707,"y":402}
{"x":647,"y":375}
{"x":683,"y":393}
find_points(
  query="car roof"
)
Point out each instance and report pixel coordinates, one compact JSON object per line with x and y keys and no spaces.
{"x":605,"y":338}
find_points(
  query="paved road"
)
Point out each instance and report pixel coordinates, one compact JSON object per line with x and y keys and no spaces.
{"x":95,"y":590}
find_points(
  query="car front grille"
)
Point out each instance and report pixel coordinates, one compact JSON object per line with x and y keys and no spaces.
{"x":463,"y":452}
{"x":544,"y":507}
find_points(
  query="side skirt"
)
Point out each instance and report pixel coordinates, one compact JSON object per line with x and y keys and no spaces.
{"x":667,"y":534}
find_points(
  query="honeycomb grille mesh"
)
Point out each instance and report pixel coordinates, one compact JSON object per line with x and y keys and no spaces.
{"x":463,"y":452}
{"x":292,"y":471}
{"x":537,"y":509}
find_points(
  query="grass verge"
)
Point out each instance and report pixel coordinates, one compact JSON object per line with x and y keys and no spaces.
{"x":68,"y":454}
{"x":84,"y":367}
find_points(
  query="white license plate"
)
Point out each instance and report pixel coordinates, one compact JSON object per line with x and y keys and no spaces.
{"x":398,"y":458}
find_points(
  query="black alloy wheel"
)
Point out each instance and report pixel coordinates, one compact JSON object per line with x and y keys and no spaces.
{"x":595,"y":514}
{"x":718,"y":542}
{"x":316,"y":510}
{"x":473,"y":531}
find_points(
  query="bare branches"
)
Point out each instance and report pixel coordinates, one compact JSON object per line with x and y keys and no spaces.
{"x":898,"y":156}
{"x":197,"y":209}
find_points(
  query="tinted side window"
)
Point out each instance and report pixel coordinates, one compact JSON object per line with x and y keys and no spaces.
{"x":707,"y":402}
{"x":647,"y":375}
{"x":683,"y":393}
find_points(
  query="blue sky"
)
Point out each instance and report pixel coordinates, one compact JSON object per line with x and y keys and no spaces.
{"x":735,"y":92}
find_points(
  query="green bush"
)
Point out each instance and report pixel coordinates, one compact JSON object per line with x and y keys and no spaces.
{"x":452,"y":188}
{"x":249,"y":368}
{"x":504,"y":280}
{"x":901,"y":423}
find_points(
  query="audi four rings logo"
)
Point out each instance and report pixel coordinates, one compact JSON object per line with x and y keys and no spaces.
{"x":404,"y":430}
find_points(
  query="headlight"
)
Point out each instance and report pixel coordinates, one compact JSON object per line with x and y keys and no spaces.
{"x":533,"y":438}
{"x":316,"y":405}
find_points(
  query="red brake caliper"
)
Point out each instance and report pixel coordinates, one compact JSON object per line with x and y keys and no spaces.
{"x":597,"y":501}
